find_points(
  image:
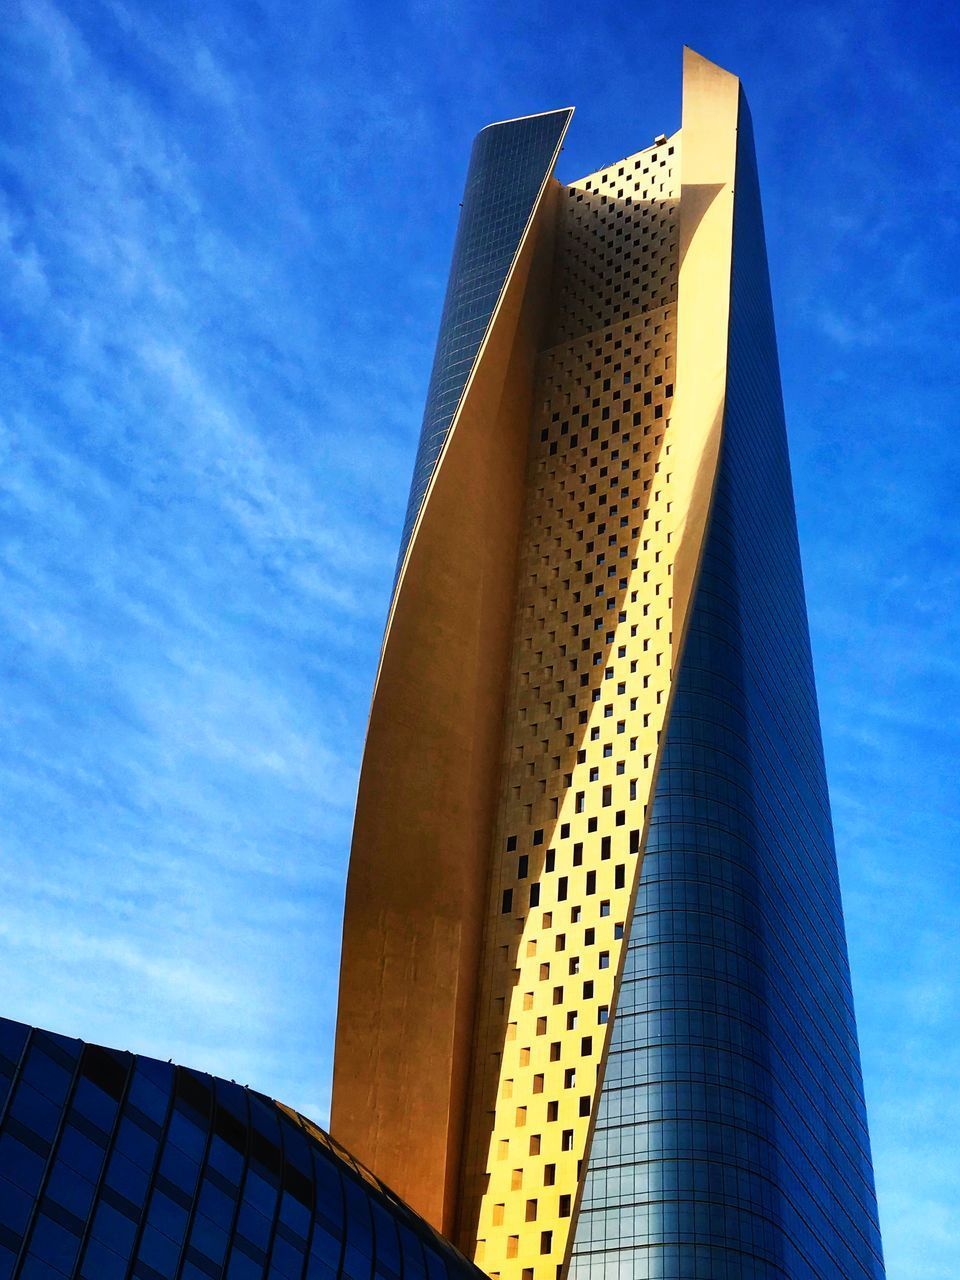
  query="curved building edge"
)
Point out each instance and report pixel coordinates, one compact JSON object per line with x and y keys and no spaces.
{"x":114,"y":1164}
{"x":418,"y":865}
{"x":511,"y":162}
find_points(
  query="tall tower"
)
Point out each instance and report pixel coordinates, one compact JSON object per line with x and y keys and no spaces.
{"x":595,"y":1012}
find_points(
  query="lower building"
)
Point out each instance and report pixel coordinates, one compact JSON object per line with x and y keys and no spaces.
{"x":114,"y":1165}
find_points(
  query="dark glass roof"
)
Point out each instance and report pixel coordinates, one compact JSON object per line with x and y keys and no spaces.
{"x":114,"y":1165}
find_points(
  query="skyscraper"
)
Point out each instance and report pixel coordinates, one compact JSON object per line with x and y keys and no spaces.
{"x":595,"y":1011}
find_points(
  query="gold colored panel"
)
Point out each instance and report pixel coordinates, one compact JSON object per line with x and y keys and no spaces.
{"x":422,"y":834}
{"x":619,"y":487}
{"x":588,"y":693}
{"x":711,"y":98}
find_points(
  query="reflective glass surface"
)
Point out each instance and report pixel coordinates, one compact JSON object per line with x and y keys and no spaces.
{"x":508,"y":165}
{"x":731,"y":1138}
{"x":113,"y":1166}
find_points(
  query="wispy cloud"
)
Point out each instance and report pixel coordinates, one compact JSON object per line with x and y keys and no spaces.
{"x":224,"y":234}
{"x":190,"y":571}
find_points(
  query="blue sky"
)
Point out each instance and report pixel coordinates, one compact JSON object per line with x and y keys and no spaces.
{"x":224,"y":236}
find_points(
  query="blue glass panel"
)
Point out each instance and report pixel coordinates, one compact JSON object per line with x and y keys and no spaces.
{"x":286,"y":1260}
{"x":226,"y":1198}
{"x":329,"y":1193}
{"x":13,"y":1037}
{"x":254,"y":1226}
{"x":296,"y":1149}
{"x":35,"y":1110}
{"x":436,"y":1268}
{"x":179,"y":1168}
{"x":131,"y":1180}
{"x":198,"y":1268}
{"x":159,"y":1251}
{"x":294,"y":1216}
{"x":93,"y":1103}
{"x":259,"y":1193}
{"x":210,"y":1236}
{"x":81,"y":1151}
{"x":16,"y":1204}
{"x":101,"y":1263}
{"x":114,"y":1229}
{"x":215,"y":1201}
{"x":243,"y":1268}
{"x":508,"y":165}
{"x":185,"y":1132}
{"x":70,"y":1189}
{"x":226,"y":1160}
{"x":20,"y":1164}
{"x":325,"y":1247}
{"x":358,"y":1251}
{"x":319,"y":1270}
{"x":151,"y":1088}
{"x":51,"y":1073}
{"x":414,"y":1266}
{"x":6,"y":1083}
{"x":53,"y":1245}
{"x":387,"y":1244}
{"x":167,"y":1216}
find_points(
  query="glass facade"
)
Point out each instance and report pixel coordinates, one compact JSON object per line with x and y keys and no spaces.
{"x":731,"y":1136}
{"x":508,"y":166}
{"x":115,"y":1166}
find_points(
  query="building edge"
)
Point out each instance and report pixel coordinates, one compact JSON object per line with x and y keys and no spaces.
{"x":418,"y":866}
{"x":111,"y":1160}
